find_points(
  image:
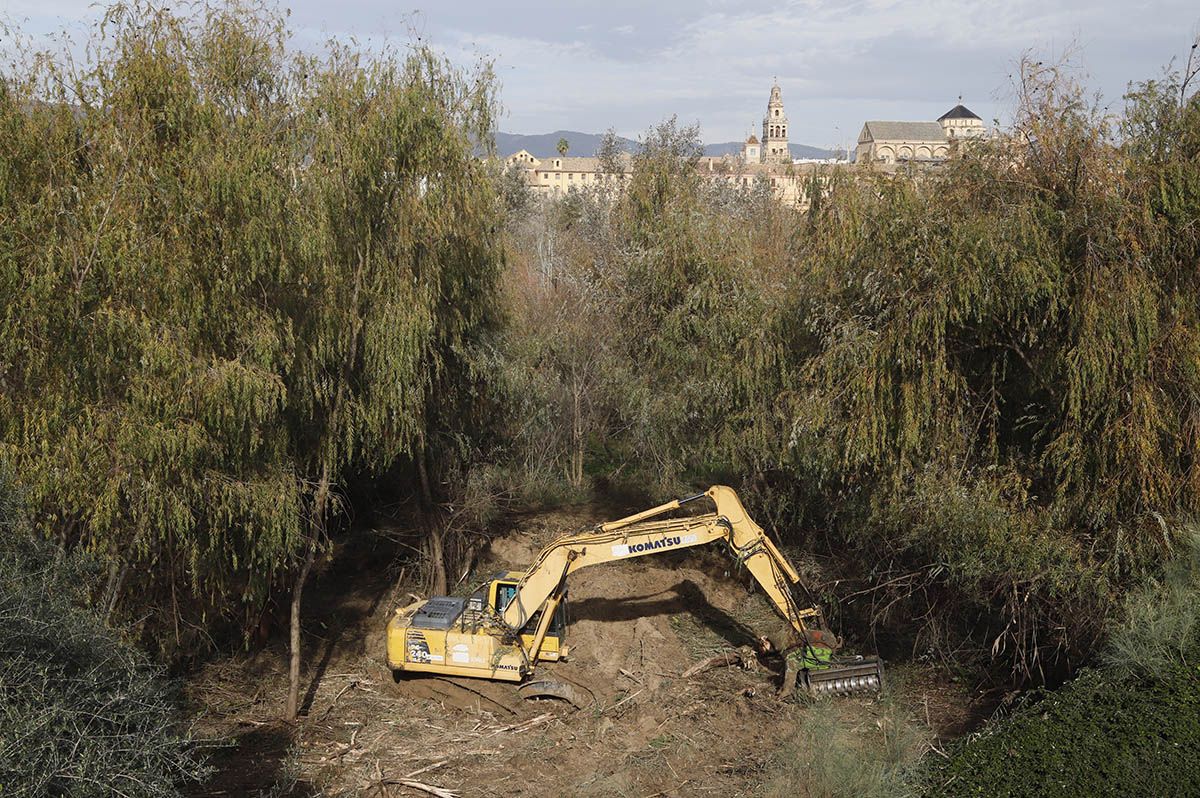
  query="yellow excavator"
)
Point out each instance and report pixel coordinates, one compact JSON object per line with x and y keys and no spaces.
{"x":518,"y":619}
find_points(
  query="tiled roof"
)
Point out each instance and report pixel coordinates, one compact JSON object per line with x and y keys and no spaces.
{"x":581,"y":164}
{"x":879,"y":130}
{"x":959,"y":111}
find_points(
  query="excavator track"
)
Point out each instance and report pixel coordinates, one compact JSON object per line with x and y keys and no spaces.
{"x":862,"y":675}
{"x":575,"y":694}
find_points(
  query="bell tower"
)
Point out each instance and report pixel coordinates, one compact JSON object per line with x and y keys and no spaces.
{"x":775,"y":133}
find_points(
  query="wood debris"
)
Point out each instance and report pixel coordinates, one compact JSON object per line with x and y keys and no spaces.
{"x":730,"y":657}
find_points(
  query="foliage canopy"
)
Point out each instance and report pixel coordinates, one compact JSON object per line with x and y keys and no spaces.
{"x":232,"y":277}
{"x":975,"y":387}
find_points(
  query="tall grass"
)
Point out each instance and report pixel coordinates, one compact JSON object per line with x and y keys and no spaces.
{"x":1161,"y":626}
{"x":846,"y":750}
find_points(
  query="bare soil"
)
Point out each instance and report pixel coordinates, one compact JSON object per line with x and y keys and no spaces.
{"x":634,"y":628}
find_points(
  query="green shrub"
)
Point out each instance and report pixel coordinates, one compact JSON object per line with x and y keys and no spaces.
{"x":81,"y":713}
{"x":1101,"y":735}
{"x":1130,"y":727}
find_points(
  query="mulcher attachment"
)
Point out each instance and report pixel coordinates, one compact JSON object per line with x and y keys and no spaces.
{"x":844,"y":677}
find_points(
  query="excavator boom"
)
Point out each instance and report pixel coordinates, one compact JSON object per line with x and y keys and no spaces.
{"x":646,"y":533}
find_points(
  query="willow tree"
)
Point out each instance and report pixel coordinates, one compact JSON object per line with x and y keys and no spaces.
{"x":634,"y":317}
{"x":988,"y":373}
{"x":233,"y":276}
{"x":696,"y":263}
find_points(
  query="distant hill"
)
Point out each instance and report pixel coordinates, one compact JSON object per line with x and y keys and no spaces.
{"x":545,"y":145}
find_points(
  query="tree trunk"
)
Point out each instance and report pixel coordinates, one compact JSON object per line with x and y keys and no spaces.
{"x":423,"y":475}
{"x":317,"y":529}
{"x":433,"y":524}
{"x":437,"y":557}
{"x":112,"y":593}
{"x":293,"y":698}
{"x":577,"y":436}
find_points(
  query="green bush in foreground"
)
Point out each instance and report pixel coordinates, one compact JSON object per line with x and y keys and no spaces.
{"x":1129,"y":728}
{"x":1099,"y":736}
{"x":81,"y":714}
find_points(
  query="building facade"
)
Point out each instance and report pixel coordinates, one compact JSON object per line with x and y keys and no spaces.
{"x":887,"y":142}
{"x":768,"y":163}
{"x":560,"y":174}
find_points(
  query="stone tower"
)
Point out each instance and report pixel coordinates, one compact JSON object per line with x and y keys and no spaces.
{"x":775,"y":136}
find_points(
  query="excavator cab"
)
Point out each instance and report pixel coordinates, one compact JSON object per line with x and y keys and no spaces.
{"x":455,"y":636}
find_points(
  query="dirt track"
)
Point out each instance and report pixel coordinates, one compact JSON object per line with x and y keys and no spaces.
{"x":634,"y":629}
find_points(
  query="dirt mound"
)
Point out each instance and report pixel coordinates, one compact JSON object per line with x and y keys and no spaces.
{"x":634,"y":627}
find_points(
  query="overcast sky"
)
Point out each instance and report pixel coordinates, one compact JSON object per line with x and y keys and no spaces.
{"x":627,"y":64}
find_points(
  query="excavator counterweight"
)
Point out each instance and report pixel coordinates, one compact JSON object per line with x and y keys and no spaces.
{"x":517,"y":619}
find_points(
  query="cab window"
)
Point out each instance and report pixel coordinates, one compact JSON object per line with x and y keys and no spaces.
{"x":505,"y":591}
{"x":504,"y":594}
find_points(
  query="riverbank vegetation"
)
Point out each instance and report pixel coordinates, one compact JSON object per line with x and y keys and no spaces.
{"x":248,"y":292}
{"x":1130,"y":723}
{"x":974,"y":388}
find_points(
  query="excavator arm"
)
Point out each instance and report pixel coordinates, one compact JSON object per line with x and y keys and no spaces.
{"x":647,"y":533}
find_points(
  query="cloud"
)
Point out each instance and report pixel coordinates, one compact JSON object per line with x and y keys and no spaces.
{"x":838,"y":63}
{"x":628,"y":64}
